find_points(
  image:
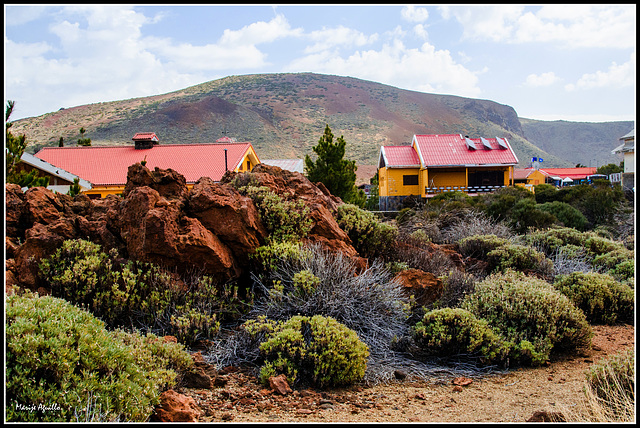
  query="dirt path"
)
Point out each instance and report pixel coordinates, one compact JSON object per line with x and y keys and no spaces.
{"x":513,"y":397}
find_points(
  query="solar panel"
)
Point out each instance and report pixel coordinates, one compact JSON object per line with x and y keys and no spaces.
{"x":503,"y":143}
{"x":470,"y":144}
{"x":486,"y":143}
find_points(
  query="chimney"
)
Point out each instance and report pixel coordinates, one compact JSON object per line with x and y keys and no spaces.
{"x":145,"y":140}
{"x":226,"y":168}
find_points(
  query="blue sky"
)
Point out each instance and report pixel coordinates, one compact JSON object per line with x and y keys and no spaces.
{"x":550,"y":62}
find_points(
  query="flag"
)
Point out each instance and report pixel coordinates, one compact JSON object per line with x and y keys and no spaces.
{"x":540,"y":159}
{"x":534,"y":159}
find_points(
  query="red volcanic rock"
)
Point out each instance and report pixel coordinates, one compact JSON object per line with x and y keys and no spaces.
{"x":280,"y":385}
{"x":41,"y":241}
{"x":156,"y":230}
{"x":15,"y":215}
{"x":166,"y":182}
{"x":229,"y":215}
{"x":42,"y":206}
{"x":424,"y":286}
{"x":175,"y":407}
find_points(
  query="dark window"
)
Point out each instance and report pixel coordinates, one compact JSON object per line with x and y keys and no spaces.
{"x":409,"y":180}
{"x":248,"y":165}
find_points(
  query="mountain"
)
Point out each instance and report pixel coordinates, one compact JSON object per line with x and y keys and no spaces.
{"x":284,"y":116}
{"x":587,"y":143}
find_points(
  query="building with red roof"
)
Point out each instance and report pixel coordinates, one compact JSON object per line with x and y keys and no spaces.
{"x":443,"y":163}
{"x":105,"y":168}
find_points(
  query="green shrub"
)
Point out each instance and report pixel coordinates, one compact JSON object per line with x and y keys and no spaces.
{"x":270,"y":255}
{"x":478,"y":246}
{"x":136,"y":294}
{"x":531,"y":314}
{"x":599,"y":296}
{"x":452,"y":332}
{"x":519,"y":257}
{"x":284,"y":218}
{"x":618,"y":263}
{"x":525,"y":215}
{"x":545,"y":193}
{"x":317,"y":349}
{"x":566,"y":214}
{"x":550,"y":240}
{"x":370,"y":237}
{"x":613,"y":379}
{"x":62,"y":357}
{"x":455,"y":285}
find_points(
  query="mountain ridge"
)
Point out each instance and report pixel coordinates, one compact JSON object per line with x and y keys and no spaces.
{"x":284,"y":114}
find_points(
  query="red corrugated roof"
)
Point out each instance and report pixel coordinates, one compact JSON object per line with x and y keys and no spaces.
{"x":399,"y":156}
{"x":452,"y":149}
{"x":521,"y":174}
{"x":572,"y":173}
{"x":104,"y":166}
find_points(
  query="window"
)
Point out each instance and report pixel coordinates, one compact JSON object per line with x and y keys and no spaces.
{"x":410,"y":180}
{"x":248,"y":165}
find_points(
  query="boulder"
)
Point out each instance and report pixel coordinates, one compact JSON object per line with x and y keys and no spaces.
{"x":280,"y":385}
{"x":15,"y":214}
{"x":175,"y":407}
{"x":229,"y":215}
{"x":42,"y":206}
{"x":157,"y":230}
{"x":167,"y":182}
{"x":424,"y":286}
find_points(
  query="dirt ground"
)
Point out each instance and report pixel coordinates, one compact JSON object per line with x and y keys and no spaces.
{"x":511,"y":397}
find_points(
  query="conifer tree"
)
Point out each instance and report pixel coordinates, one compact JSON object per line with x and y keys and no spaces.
{"x":335,"y":172}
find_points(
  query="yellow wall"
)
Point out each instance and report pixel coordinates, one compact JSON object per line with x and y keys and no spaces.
{"x":391,"y":179}
{"x":390,"y":182}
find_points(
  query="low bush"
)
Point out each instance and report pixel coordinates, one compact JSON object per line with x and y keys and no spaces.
{"x":456,"y":332}
{"x":619,"y":263}
{"x":478,"y":246}
{"x":370,"y":237}
{"x":521,"y":258}
{"x":566,"y":214}
{"x":456,"y":284}
{"x":61,"y":357}
{"x":612,"y":383}
{"x":474,"y":222}
{"x":531,"y":314}
{"x":599,"y":296}
{"x":316,"y":350}
{"x":136,"y":294}
{"x":285,"y":218}
{"x":370,"y":302}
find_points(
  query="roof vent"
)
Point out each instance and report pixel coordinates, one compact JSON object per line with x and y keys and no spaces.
{"x":470,"y":144}
{"x":145,"y":140}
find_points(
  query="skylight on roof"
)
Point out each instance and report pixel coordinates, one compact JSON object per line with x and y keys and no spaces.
{"x":502,"y":143}
{"x":470,"y":144}
{"x":486,"y":143}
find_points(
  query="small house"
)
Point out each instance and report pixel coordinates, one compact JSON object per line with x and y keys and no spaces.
{"x":434,"y":164}
{"x":106,"y":167}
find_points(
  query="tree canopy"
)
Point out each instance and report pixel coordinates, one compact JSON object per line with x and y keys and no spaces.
{"x":335,"y":172}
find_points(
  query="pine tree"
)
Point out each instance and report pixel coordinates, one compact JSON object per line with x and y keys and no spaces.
{"x":335,"y":172}
{"x":15,"y":147}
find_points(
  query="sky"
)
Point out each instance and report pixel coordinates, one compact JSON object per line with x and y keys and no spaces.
{"x":549,"y":62}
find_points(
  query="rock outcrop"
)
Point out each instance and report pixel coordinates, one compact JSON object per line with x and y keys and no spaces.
{"x":211,"y":228}
{"x":175,"y":407}
{"x":424,"y":286}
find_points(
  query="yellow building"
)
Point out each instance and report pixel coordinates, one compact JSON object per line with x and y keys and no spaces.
{"x":434,"y":164}
{"x":528,"y":178}
{"x":105,"y":168}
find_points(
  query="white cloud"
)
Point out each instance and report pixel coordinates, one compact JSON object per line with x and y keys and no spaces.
{"x":421,"y":31}
{"x":617,"y":76}
{"x":544,"y":79}
{"x":414,"y":14}
{"x":100,"y":54}
{"x":569,"y":25}
{"x":341,"y":36}
{"x":420,"y":69}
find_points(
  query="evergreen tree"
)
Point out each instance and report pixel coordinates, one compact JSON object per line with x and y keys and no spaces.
{"x":83,"y":141}
{"x":335,"y":172}
{"x":74,"y":189}
{"x":15,"y":147}
{"x":61,"y":142}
